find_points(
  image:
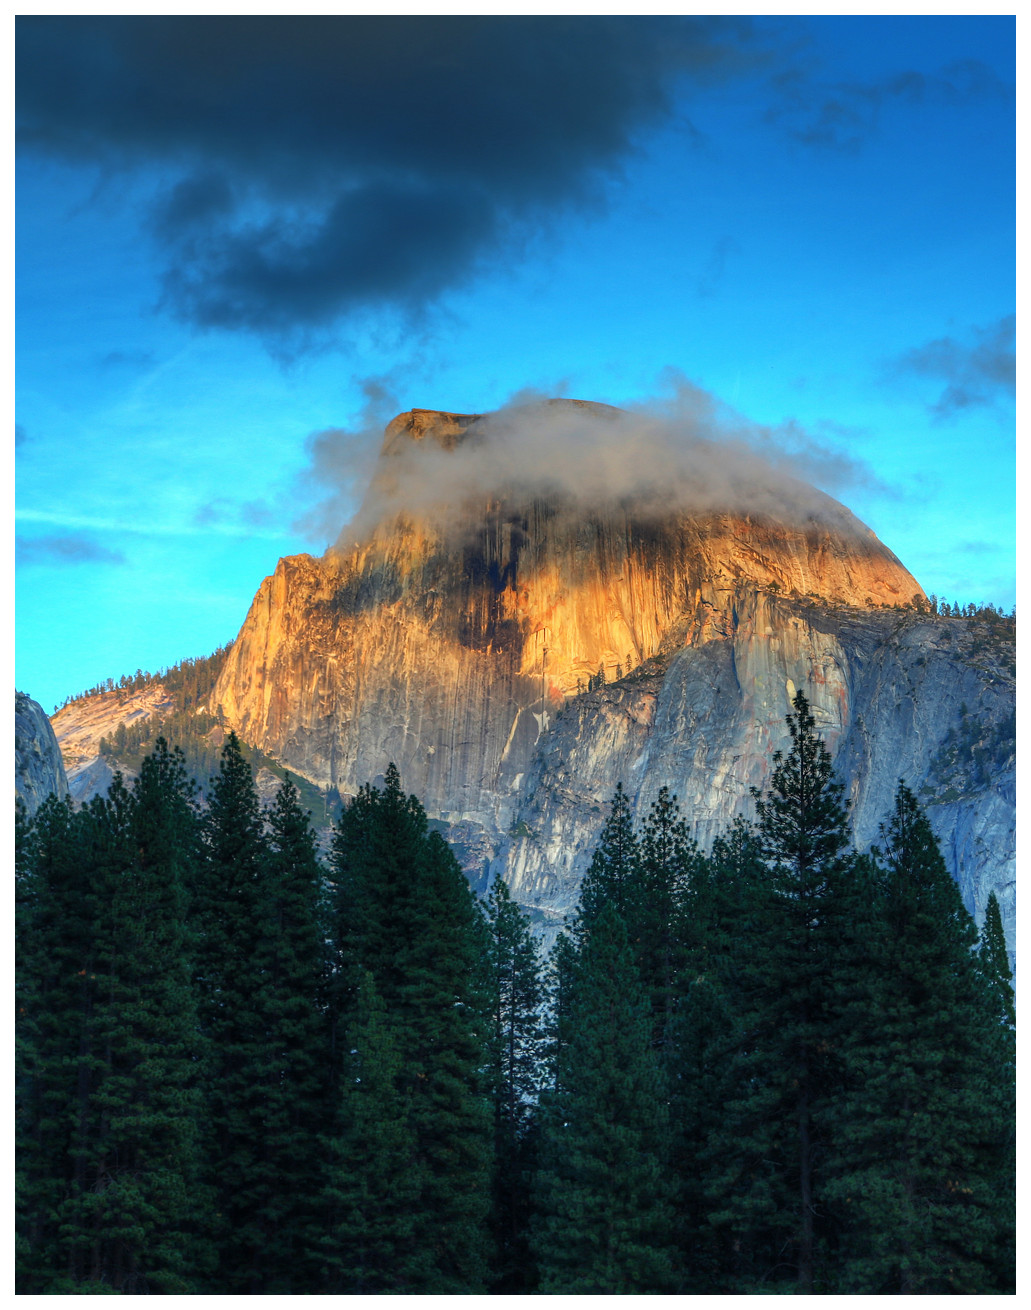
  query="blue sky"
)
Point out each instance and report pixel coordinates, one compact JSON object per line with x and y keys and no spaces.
{"x":232,"y":237}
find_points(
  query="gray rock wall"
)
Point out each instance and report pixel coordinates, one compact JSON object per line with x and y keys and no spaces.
{"x":38,"y":767}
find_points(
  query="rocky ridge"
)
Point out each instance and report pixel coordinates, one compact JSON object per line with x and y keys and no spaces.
{"x":85,"y":724}
{"x":887,"y":691}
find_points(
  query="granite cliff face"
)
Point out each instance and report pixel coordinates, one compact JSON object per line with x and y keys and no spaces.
{"x":894,"y":695}
{"x":38,"y":766}
{"x":459,"y":643}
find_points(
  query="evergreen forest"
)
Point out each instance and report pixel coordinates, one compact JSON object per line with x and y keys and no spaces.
{"x":782,"y":1066}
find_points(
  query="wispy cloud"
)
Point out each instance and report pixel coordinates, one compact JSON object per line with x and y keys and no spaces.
{"x":240,"y":518}
{"x":978,"y":548}
{"x":842,"y":116}
{"x":978,"y":370}
{"x":127,"y":359}
{"x":716,"y":266}
{"x":64,"y":550}
{"x":212,"y":518}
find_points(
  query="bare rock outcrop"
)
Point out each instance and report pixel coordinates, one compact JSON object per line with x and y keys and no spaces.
{"x":82,"y":724}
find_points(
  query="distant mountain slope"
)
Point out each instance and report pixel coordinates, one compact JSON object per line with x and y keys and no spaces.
{"x":112,"y":727}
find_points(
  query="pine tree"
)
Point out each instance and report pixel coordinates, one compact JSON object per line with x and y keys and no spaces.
{"x":614,"y":874}
{"x":114,"y":1160}
{"x":515,"y":1072}
{"x":53,"y":940}
{"x":786,"y":1064}
{"x":921,"y":1167}
{"x":261,"y":978}
{"x":558,"y":1020}
{"x":721,"y":924}
{"x":668,"y":914}
{"x":149,"y":1201}
{"x":604,"y":1215}
{"x":405,"y":915}
{"x":994,"y":960}
{"x":230,"y":927}
{"x":26,"y":1056}
{"x":290,"y":960}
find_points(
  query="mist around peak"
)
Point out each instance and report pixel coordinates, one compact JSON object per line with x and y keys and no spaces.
{"x":685,"y":452}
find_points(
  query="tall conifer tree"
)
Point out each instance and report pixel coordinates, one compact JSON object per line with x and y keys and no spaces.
{"x":604,"y":1215}
{"x":115,"y":1157}
{"x":153,"y":1204}
{"x":26,"y":1049}
{"x":407,"y":917}
{"x":261,"y":959}
{"x":516,"y":1052}
{"x":994,"y":960}
{"x":785,"y":1064}
{"x":614,"y":874}
{"x":372,"y":1181}
{"x":721,"y":925}
{"x":291,"y":964}
{"x":921,"y":1165}
{"x":669,"y":915}
{"x":229,"y":930}
{"x":51,"y":939}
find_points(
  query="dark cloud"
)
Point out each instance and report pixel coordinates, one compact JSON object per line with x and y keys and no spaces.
{"x":321,"y":164}
{"x":978,"y":371}
{"x":64,"y":550}
{"x":842,"y":116}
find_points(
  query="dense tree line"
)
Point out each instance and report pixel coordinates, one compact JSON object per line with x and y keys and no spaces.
{"x":191,"y":681}
{"x":784,"y":1066}
{"x":987,"y":613}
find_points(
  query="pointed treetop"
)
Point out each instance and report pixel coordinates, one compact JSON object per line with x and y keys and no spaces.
{"x":803,"y":813}
{"x":993,"y":960}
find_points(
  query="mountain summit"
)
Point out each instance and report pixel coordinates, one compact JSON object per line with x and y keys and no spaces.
{"x":449,"y":633}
